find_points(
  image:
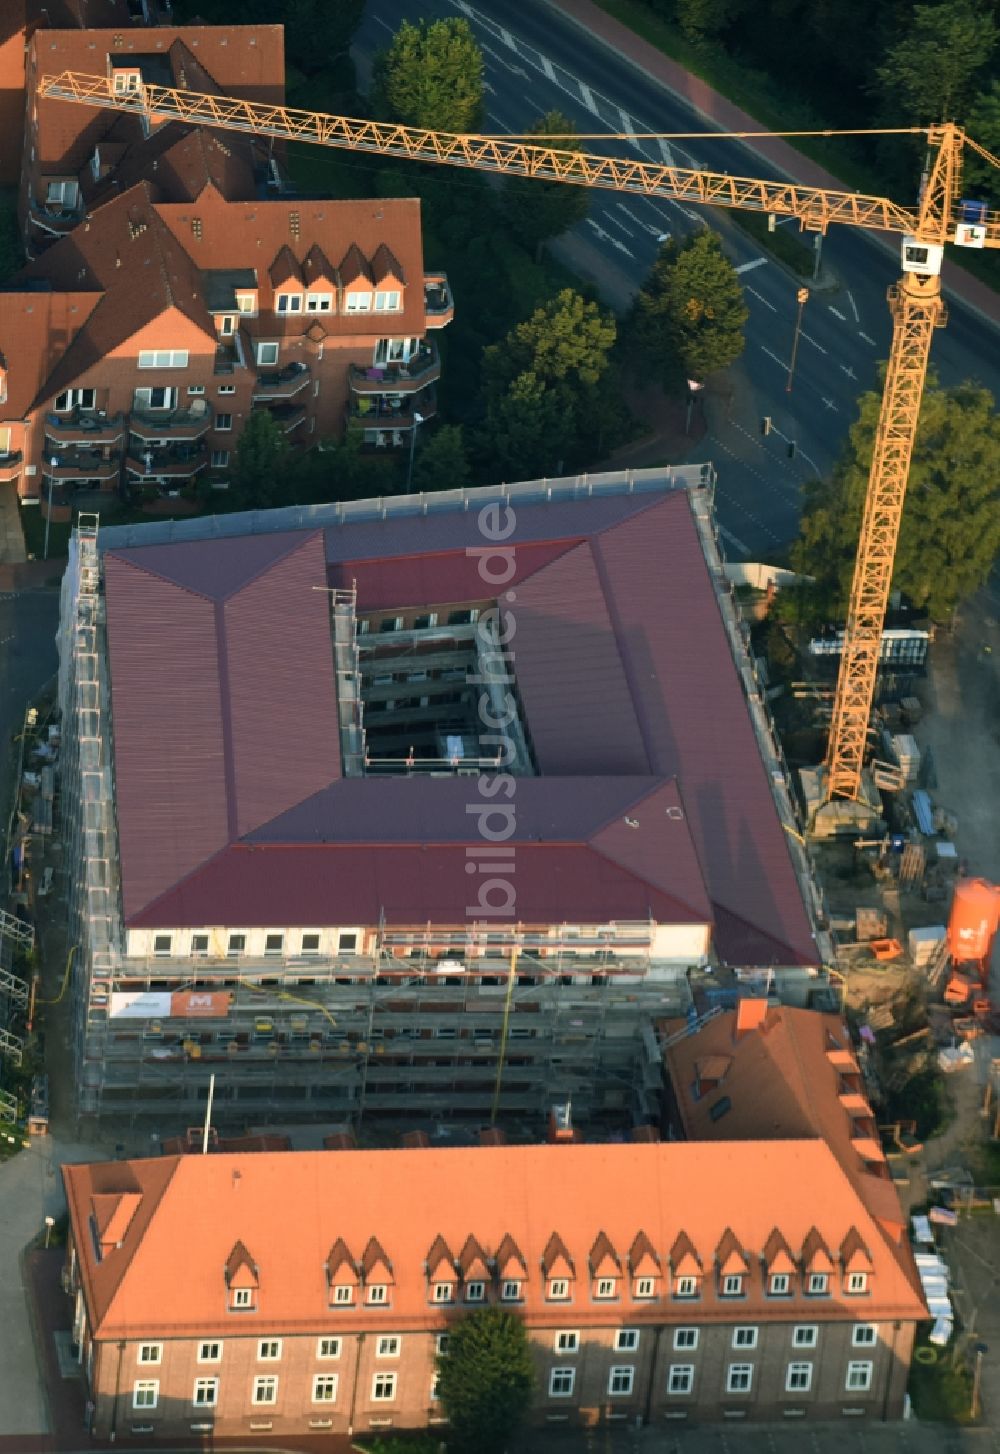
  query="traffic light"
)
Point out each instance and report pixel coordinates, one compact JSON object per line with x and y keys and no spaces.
{"x":791,"y":448}
{"x":765,"y":424}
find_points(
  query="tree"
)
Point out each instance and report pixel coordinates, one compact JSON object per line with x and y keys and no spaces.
{"x":983,"y":123}
{"x":699,"y":19}
{"x":528,"y":431}
{"x":431,"y":75}
{"x":486,"y":1379}
{"x":566,"y":340}
{"x":928,"y":75}
{"x":261,"y":461}
{"x":688,"y":319}
{"x":316,"y":31}
{"x":535,"y":210}
{"x":441,"y":463}
{"x":950,"y":534}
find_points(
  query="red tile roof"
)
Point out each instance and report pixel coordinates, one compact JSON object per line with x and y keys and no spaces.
{"x":537,"y":1209}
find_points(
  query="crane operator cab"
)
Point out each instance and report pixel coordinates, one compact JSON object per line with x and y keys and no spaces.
{"x":922,"y":258}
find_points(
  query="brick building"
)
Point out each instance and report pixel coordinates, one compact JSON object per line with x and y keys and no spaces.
{"x":134,"y":349}
{"x":674,"y":1282}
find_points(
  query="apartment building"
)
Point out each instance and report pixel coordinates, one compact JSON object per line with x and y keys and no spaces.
{"x":134,"y":349}
{"x":301,"y":857}
{"x":659,"y":1283}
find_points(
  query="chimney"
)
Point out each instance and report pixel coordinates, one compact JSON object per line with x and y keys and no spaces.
{"x":750,"y":1015}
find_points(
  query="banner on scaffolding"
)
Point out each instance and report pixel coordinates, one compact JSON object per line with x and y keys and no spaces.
{"x":161,"y":1005}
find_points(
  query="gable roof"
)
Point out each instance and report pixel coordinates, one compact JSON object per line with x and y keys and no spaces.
{"x":683,"y":1194}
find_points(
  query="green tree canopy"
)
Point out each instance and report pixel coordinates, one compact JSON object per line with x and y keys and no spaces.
{"x":261,"y":461}
{"x":536,"y":210}
{"x":950,"y":535}
{"x":486,"y":1380}
{"x":566,"y":340}
{"x":431,"y":75}
{"x":688,"y":319}
{"x":928,"y":74}
{"x":441,"y":463}
{"x":983,"y":124}
{"x":699,"y":19}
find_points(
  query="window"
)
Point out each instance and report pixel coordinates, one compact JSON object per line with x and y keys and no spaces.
{"x":680,"y":1378}
{"x":567,"y":1342}
{"x":220,"y":459}
{"x":739,"y":1377}
{"x":818,"y":1284}
{"x":561,"y":1381}
{"x":388,"y":1347}
{"x":383,"y":1388}
{"x":424,"y":623}
{"x":274,"y":943}
{"x":558,"y":1289}
{"x":328,"y":1348}
{"x":325,"y":1388}
{"x":388,"y":301}
{"x":242,"y":1297}
{"x":864,"y":1335}
{"x":443,"y":1292}
{"x":268,"y":1349}
{"x":223,"y":422}
{"x":163,"y":358}
{"x":620,"y":1381}
{"x":154,"y":398}
{"x":145,"y":1392}
{"x":210,"y":1352}
{"x":237,"y":944}
{"x":319,"y":302}
{"x":74,"y":399}
{"x":199,"y":943}
{"x":196,"y":388}
{"x":125,"y":82}
{"x":732,"y":1286}
{"x":798,"y":1378}
{"x":605,"y":1287}
{"x":644,"y":1287}
{"x":626,"y":1340}
{"x":161,"y":944}
{"x":857,"y":1282}
{"x":358,"y":303}
{"x":779,"y":1285}
{"x":378,"y":1293}
{"x":206,"y":1393}
{"x":226,"y":389}
{"x":686,"y":1338}
{"x":441,"y":1343}
{"x":805,"y":1336}
{"x":246,"y":303}
{"x":475,"y":1292}
{"x":686,"y":1287}
{"x":347,"y":943}
{"x":289,"y":302}
{"x":744,"y":1337}
{"x":343,"y":1294}
{"x":61,"y":194}
{"x":227,"y":325}
{"x":310,"y":944}
{"x":859,"y":1377}
{"x":150,"y":1353}
{"x":267,"y":353}
{"x":265,"y":1388}
{"x":510,"y":1292}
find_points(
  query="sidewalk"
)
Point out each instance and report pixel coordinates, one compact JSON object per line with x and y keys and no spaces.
{"x":724,"y":115}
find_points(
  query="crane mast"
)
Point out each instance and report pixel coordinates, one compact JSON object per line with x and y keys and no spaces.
{"x":915,"y":302}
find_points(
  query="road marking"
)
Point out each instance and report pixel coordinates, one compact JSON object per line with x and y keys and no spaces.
{"x":837,"y":313}
{"x":548,"y":70}
{"x":761,"y":299}
{"x":779,"y":361}
{"x":384,"y":24}
{"x":757,"y":262}
{"x":606,"y":237}
{"x":831,"y":405}
{"x":587,"y":97}
{"x":646,"y":226}
{"x":613,"y":221}
{"x":692,"y":216}
{"x":734,"y":540}
{"x":866,"y":338}
{"x":813,"y":342}
{"x":490,"y":90}
{"x":627,"y":123}
{"x":844,"y":369}
{"x":507,"y":38}
{"x":665,"y":151}
{"x":497,"y":122}
{"x":854,"y":306}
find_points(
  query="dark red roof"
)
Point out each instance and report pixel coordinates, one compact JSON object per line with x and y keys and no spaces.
{"x":652,"y":799}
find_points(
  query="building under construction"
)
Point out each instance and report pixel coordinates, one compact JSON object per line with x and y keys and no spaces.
{"x":417,"y":807}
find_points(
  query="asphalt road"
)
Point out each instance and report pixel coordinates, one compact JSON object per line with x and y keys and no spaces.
{"x":28,"y":622}
{"x":537,"y":60}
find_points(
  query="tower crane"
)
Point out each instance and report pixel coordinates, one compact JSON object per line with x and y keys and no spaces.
{"x":915,"y":301}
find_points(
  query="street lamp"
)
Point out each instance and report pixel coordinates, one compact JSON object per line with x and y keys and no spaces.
{"x":802,"y":297}
{"x":418,"y":419}
{"x":49,"y":1224}
{"x":53,"y":463}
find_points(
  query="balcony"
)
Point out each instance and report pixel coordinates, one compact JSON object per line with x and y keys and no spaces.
{"x":379,"y":411}
{"x":404,"y":378}
{"x":173,"y":424}
{"x":439,"y":305}
{"x":283,"y":384}
{"x":288,"y":416}
{"x":176,"y":462}
{"x":84,"y":426}
{"x":81,"y":464}
{"x":10,"y":465}
{"x":55,"y":220}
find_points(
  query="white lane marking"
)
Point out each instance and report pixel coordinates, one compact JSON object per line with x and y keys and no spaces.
{"x":779,"y":361}
{"x":867,"y":339}
{"x":613,"y":221}
{"x":463,"y":5}
{"x":837,"y":313}
{"x":854,"y":306}
{"x":761,"y":299}
{"x":627,"y":123}
{"x":844,"y":369}
{"x":656,"y":232}
{"x":587,"y":97}
{"x":507,"y":38}
{"x":665,"y":151}
{"x":548,"y":70}
{"x":813,"y":342}
{"x":490,"y":90}
{"x":691,"y":216}
{"x":831,"y":405}
{"x":734,"y":540}
{"x":757,"y":262}
{"x":497,"y":122}
{"x":384,"y":24}
{"x":606,"y":237}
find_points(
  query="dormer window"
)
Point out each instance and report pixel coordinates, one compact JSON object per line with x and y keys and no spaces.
{"x":343,"y":1295}
{"x":857,"y":1282}
{"x":377,"y":1294}
{"x":125,"y":83}
{"x":645,"y":1287}
{"x":289,"y":302}
{"x":606,"y":1287}
{"x":510,"y":1291}
{"x":685,"y":1287}
{"x":475,"y":1292}
{"x":246,"y":303}
{"x":443,"y":1292}
{"x":358,"y":303}
{"x":242,"y":1298}
{"x":319,"y":302}
{"x":558,"y":1289}
{"x":732,"y":1285}
{"x":389,"y":301}
{"x":779,"y":1285}
{"x":818,"y":1284}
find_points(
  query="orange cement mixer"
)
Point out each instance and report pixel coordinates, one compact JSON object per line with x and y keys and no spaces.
{"x":975,"y":914}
